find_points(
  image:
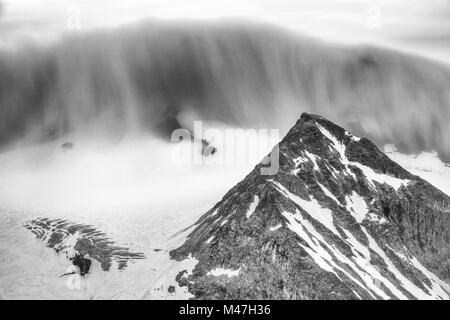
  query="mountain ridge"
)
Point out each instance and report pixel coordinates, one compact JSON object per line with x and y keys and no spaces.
{"x":339,"y":220}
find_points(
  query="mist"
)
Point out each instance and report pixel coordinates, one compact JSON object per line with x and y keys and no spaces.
{"x":136,"y":79}
{"x":139,"y":175}
{"x":118,"y":93}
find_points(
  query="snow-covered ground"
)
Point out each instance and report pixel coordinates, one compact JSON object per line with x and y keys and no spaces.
{"x":130,"y":191}
{"x":30,"y":270}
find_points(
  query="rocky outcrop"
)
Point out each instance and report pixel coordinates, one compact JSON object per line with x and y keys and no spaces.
{"x":339,"y":220}
{"x":76,"y":241}
{"x":82,"y":263}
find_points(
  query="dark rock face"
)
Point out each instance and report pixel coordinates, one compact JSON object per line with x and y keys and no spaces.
{"x":76,"y":241}
{"x":339,"y":220}
{"x":82,"y":263}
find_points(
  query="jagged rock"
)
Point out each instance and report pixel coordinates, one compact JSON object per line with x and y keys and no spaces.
{"x":82,"y":263}
{"x":339,"y":220}
{"x":75,"y":241}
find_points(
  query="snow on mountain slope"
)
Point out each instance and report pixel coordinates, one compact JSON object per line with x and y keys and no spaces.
{"x":339,"y":220}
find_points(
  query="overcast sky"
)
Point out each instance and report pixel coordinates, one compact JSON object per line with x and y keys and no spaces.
{"x":418,"y":25}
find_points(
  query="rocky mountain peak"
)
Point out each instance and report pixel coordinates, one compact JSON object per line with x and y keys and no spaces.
{"x":339,"y":220}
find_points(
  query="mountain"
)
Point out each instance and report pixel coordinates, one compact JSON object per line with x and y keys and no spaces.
{"x":339,"y":220}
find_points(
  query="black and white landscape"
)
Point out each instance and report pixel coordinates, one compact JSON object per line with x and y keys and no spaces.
{"x":220,"y":150}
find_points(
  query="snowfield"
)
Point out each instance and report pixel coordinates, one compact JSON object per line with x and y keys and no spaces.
{"x":29,"y":270}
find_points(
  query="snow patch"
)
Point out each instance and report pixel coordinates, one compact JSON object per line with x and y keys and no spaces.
{"x":312,"y":207}
{"x":367,"y":271}
{"x":253,"y":206}
{"x":338,"y":146}
{"x":224,"y":272}
{"x":278,"y":226}
{"x":376,"y":218}
{"x":313,"y":158}
{"x":353,"y":137}
{"x":357,"y":206}
{"x":214,"y":212}
{"x":322,"y":257}
{"x":368,"y":172}
{"x":357,"y":295}
{"x":439,"y":289}
{"x":405,"y":282}
{"x":314,"y":249}
{"x":299,"y":160}
{"x":380,"y":178}
{"x":328,"y":193}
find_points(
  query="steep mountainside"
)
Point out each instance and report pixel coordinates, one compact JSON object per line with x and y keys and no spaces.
{"x":339,"y":220}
